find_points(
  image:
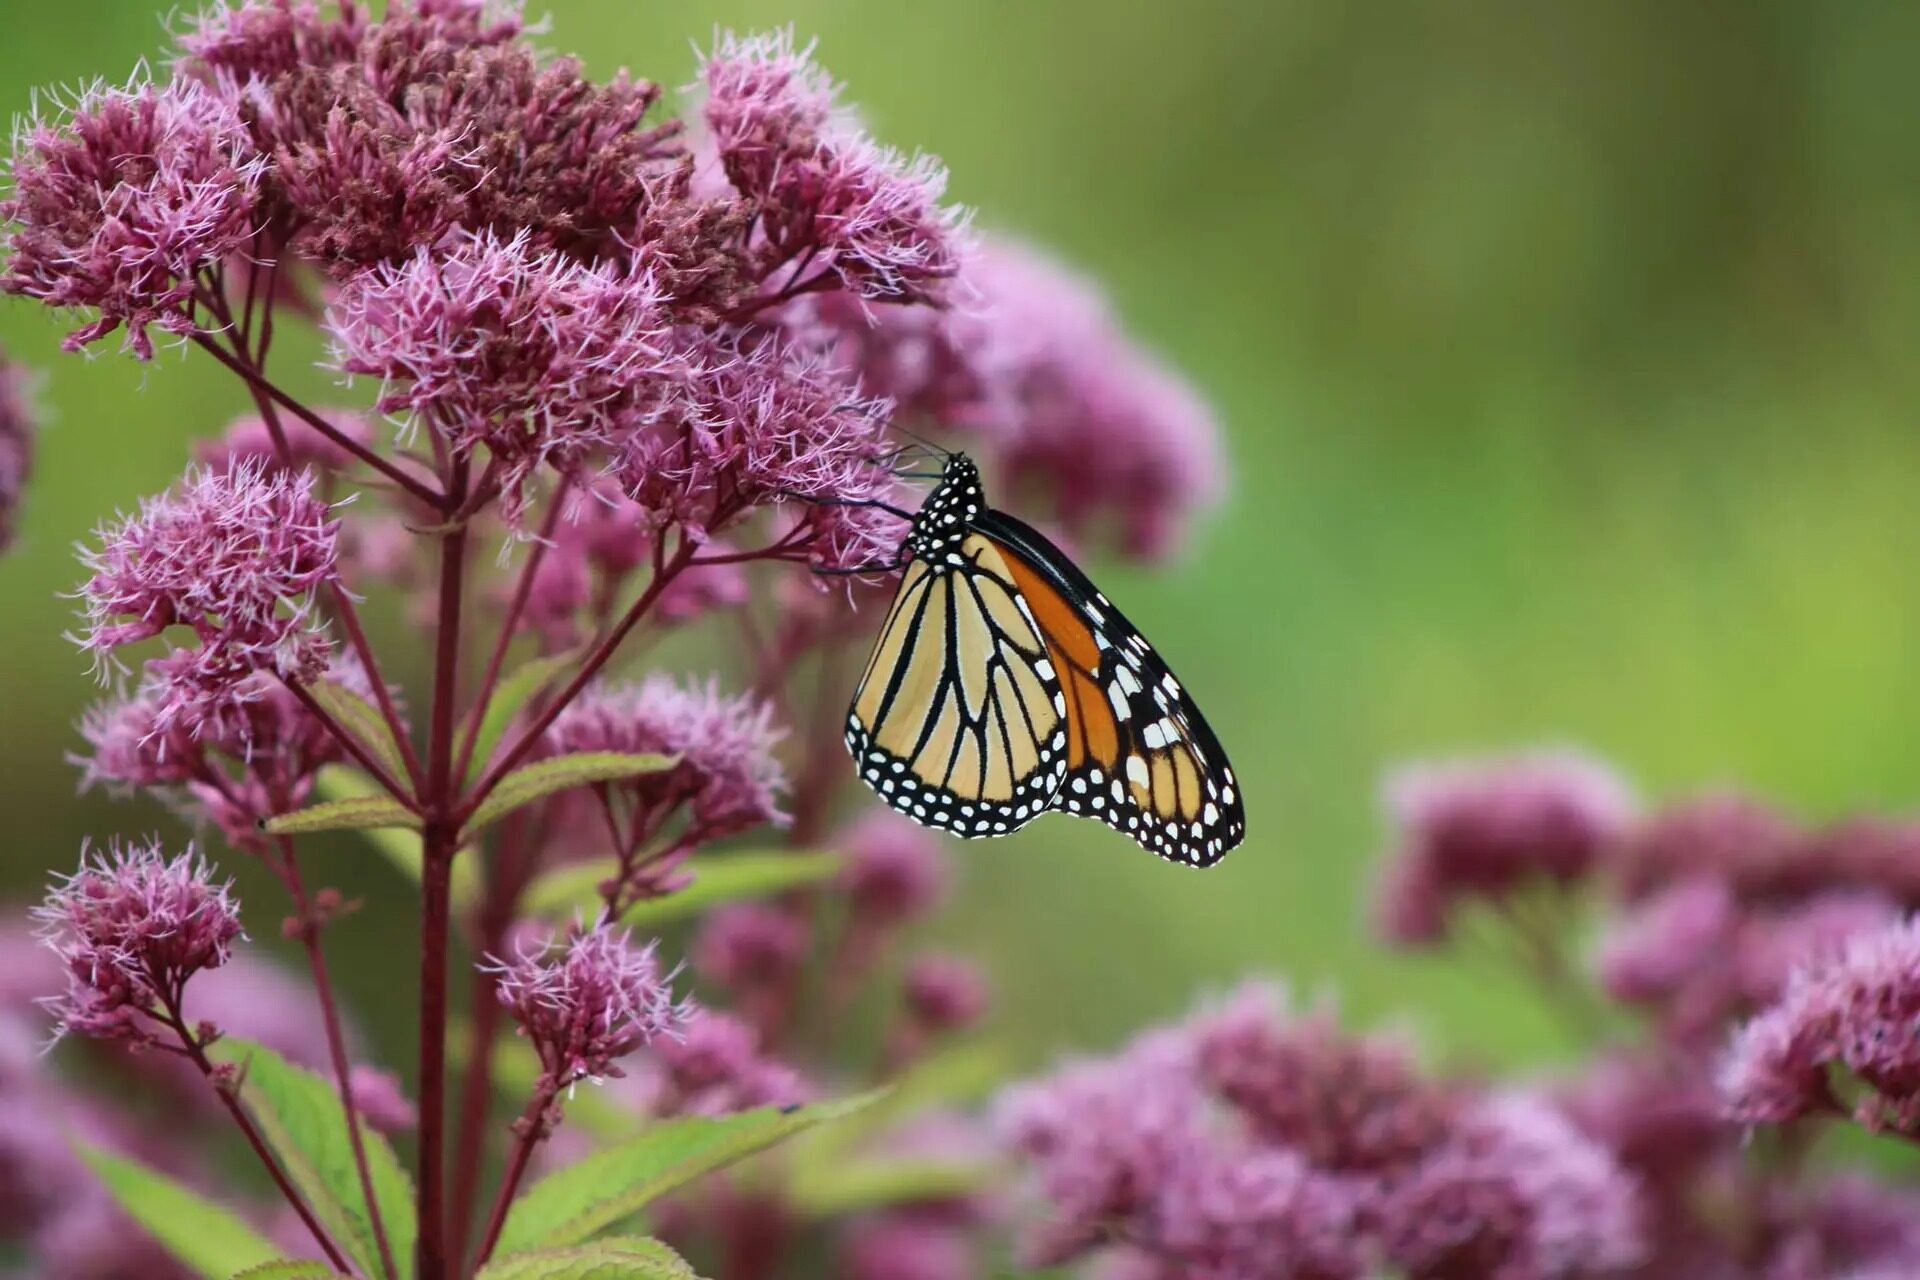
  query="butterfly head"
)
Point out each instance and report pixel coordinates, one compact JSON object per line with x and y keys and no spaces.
{"x":954,"y":503}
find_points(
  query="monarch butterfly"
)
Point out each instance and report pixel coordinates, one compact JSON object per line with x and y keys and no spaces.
{"x":1004,"y":685}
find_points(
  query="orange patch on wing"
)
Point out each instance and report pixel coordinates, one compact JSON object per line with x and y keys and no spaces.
{"x":1186,"y":772}
{"x":1093,"y":721}
{"x":1060,"y":624}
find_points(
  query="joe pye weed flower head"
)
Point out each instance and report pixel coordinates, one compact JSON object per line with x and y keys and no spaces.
{"x":603,"y":375}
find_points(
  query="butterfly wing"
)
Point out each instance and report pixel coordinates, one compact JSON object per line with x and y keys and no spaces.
{"x":1140,"y":756}
{"x":959,"y":721}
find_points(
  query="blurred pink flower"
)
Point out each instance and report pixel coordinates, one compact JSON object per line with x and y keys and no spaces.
{"x":1488,"y":829}
{"x":53,"y":1210}
{"x":750,"y":947}
{"x":1698,"y":959}
{"x":378,"y":1096}
{"x":253,"y":757}
{"x":1741,"y":840}
{"x":900,"y":1246}
{"x":1096,"y":423}
{"x":1858,"y":1011}
{"x":16,"y":445}
{"x":945,"y":993}
{"x":1656,"y":947}
{"x":715,"y":1067}
{"x":1660,"y":1117}
{"x":1516,"y":1194}
{"x":1101,"y":1136}
{"x":248,"y":442}
{"x":599,"y":541}
{"x":895,"y":871}
{"x":1351,"y":1104}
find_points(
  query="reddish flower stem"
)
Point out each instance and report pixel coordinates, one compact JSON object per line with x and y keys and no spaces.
{"x":336,"y":1047}
{"x":509,"y":624}
{"x":383,"y":697}
{"x":508,"y":868}
{"x":476,"y":1091}
{"x":530,"y":1130}
{"x":197,"y":1054}
{"x":784,"y":547}
{"x":666,"y":571}
{"x":260,"y":383}
{"x":440,"y":838}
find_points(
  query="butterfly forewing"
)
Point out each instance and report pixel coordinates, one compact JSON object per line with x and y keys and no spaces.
{"x":959,"y":720}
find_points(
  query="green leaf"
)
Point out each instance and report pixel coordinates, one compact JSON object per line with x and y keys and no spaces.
{"x":302,"y":1119}
{"x":855,"y":1185}
{"x":615,"y":1258}
{"x":717,"y":878}
{"x":201,"y":1234}
{"x":593,"y":1194}
{"x":400,"y":846}
{"x":508,"y":697}
{"x":542,"y":778}
{"x":355,"y":813}
{"x":287,"y":1269}
{"x":947,"y":1077}
{"x":365,"y":722}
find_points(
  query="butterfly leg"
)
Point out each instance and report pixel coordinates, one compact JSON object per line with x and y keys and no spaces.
{"x":875,"y":503}
{"x":893,"y":566}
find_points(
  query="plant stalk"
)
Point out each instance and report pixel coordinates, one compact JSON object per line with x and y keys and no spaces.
{"x":440,"y":837}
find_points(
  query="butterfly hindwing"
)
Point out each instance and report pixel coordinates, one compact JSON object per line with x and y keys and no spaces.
{"x":1141,"y":757}
{"x":959,"y":721}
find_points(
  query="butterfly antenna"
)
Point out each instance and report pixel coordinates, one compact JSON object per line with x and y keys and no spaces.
{"x":890,"y":459}
{"x":923,"y":441}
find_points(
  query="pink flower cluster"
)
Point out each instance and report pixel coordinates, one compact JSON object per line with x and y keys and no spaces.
{"x":236,"y":558}
{"x":716,"y":1066}
{"x":1250,"y":1142}
{"x":1719,"y":909}
{"x":1032,"y":361}
{"x":587,"y":1000}
{"x":131,"y":927}
{"x":825,"y":197}
{"x":498,"y":344}
{"x":748,"y":425}
{"x":1858,"y":1011}
{"x":386,"y":136}
{"x":249,"y":442}
{"x":1486,"y":832}
{"x":121,"y":208}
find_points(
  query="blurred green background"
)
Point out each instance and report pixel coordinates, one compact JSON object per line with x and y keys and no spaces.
{"x":1564,"y":353}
